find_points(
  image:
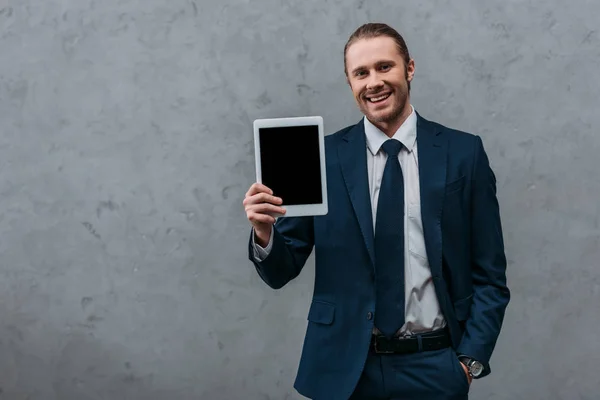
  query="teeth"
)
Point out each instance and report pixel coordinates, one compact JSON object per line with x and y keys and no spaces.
{"x":376,"y":99}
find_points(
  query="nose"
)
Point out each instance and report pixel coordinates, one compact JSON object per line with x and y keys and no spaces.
{"x":374,"y":82}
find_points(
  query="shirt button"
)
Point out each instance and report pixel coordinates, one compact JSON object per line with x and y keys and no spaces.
{"x":369,"y":315}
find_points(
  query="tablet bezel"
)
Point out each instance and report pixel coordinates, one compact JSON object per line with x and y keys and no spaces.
{"x":299,"y":210}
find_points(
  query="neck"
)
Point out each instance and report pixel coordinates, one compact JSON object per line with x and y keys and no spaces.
{"x":391,"y":127}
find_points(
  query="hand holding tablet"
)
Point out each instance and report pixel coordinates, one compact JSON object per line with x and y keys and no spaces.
{"x":261,"y":206}
{"x":290,"y":161}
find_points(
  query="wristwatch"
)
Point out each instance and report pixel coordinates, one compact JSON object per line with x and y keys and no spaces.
{"x":474,"y":367}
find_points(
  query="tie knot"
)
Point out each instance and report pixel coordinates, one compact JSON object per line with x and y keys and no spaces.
{"x":392,"y":147}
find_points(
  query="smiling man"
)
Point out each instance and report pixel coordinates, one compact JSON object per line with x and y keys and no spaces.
{"x":410,"y":282}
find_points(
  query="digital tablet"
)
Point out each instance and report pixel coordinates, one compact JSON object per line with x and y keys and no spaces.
{"x":290,"y":160}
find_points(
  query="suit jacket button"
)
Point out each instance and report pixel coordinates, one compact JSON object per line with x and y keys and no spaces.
{"x":369,"y":315}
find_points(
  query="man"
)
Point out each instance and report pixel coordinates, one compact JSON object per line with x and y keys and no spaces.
{"x":410,"y":287}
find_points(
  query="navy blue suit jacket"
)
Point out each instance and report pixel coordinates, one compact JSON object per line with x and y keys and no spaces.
{"x":464,"y":243}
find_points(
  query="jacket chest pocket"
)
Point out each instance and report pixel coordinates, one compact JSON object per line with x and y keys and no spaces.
{"x":455,"y":186}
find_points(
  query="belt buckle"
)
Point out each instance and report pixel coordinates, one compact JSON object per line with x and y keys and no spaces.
{"x":377,"y":351}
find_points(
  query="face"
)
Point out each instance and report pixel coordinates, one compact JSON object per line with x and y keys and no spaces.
{"x":379,"y":81}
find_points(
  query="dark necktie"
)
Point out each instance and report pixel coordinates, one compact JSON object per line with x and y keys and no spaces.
{"x":389,"y":245}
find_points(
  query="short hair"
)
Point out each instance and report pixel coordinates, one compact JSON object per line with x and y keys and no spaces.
{"x":373,"y":30}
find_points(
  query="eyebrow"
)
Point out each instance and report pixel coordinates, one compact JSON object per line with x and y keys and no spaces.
{"x":361,"y":67}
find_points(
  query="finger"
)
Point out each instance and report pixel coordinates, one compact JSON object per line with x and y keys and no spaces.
{"x":261,"y":218}
{"x":258,"y":188}
{"x":264,"y":208}
{"x":262,"y":198}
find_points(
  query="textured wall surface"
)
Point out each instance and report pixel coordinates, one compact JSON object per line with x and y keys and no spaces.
{"x":126,"y":149}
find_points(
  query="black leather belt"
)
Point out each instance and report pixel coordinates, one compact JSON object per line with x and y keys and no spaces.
{"x":410,"y":344}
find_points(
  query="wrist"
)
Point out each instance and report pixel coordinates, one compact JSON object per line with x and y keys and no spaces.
{"x":262,"y":237}
{"x":474,"y":367}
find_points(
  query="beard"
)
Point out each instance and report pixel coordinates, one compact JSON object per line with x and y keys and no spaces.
{"x":391,"y":112}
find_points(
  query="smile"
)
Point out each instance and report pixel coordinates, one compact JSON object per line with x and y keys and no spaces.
{"x":379,"y":98}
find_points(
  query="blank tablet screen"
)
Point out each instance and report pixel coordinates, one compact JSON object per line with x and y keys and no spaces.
{"x":290,"y":163}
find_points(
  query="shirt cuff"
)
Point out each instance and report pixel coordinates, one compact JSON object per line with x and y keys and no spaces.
{"x":261,"y":253}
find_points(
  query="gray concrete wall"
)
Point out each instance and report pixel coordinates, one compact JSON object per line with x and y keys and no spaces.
{"x":126,"y":149}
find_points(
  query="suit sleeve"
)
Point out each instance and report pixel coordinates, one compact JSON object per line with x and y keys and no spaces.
{"x":491,"y":294}
{"x":292,"y":242}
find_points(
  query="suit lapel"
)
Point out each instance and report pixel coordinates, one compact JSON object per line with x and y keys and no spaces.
{"x":352,"y":154}
{"x":432,"y":153}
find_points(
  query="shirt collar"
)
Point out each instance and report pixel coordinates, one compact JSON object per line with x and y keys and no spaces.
{"x":406,"y":134}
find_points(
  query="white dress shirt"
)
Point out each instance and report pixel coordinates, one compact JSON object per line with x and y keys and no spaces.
{"x":422,"y":312}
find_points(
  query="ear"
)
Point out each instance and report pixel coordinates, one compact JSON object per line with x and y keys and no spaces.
{"x":410,"y":70}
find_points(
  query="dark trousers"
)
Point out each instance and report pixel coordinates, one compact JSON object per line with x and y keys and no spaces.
{"x":428,"y":375}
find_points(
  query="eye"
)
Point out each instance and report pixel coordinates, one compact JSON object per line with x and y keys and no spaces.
{"x":360,"y":73}
{"x":385,"y":67}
